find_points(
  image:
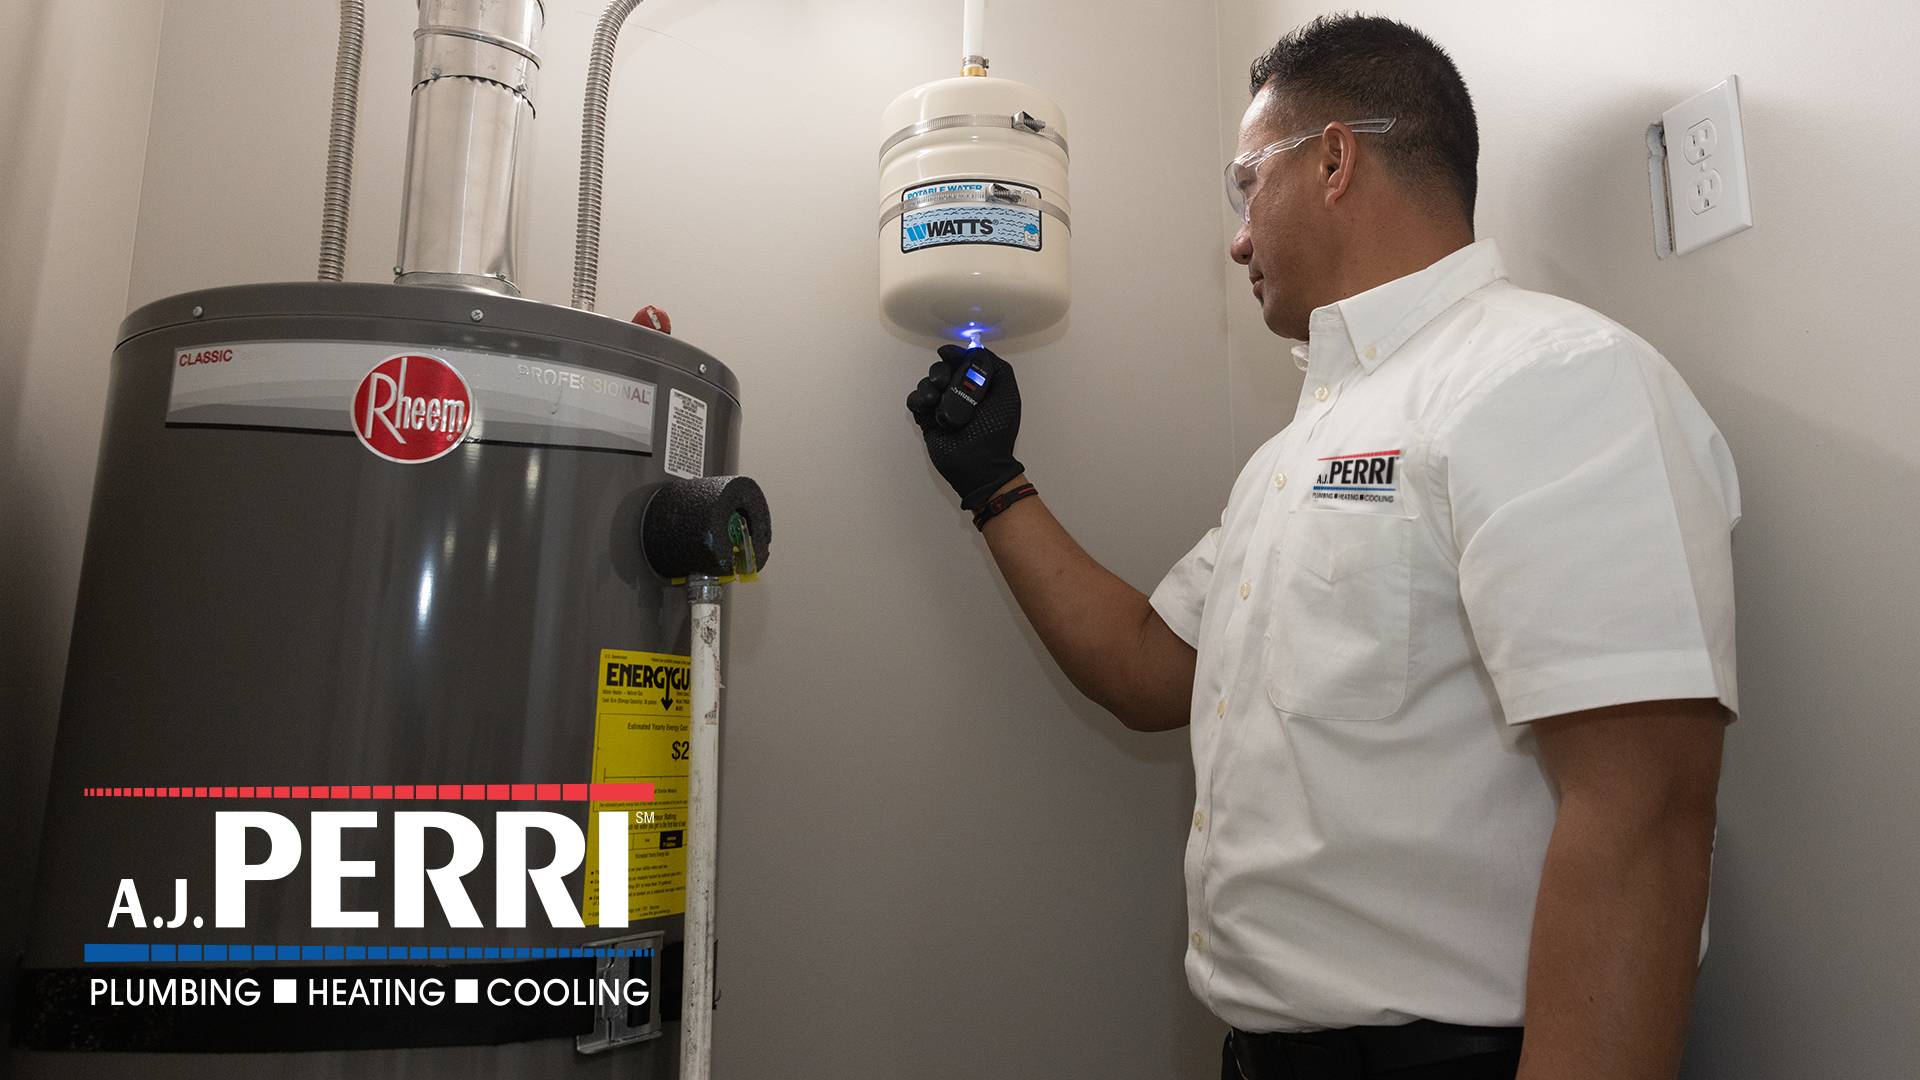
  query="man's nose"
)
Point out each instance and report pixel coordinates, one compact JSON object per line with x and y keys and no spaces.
{"x":1241,"y":250}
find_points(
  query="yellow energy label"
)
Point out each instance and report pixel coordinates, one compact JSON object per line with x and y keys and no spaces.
{"x":642,"y":734}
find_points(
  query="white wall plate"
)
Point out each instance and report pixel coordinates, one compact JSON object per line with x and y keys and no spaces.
{"x":1708,"y":195}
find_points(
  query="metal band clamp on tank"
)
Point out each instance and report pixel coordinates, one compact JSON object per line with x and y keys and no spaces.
{"x":277,"y":605}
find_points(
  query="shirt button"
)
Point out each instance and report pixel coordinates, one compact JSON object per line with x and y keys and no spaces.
{"x":1321,"y":393}
{"x":1199,"y":942}
{"x":1372,"y":352}
{"x":1220,"y":709}
{"x":1245,"y":588}
{"x":1279,"y":480}
{"x":1199,"y":819}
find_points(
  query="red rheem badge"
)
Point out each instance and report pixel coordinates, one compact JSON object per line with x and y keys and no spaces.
{"x":412,"y":408}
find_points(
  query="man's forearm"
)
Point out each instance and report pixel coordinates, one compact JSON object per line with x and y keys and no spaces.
{"x":1616,"y":938}
{"x":1094,"y":624}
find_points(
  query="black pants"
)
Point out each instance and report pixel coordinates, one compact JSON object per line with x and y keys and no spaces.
{"x":1501,"y":1065}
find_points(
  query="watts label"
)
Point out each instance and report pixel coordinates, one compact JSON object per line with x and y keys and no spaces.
{"x":959,"y":212}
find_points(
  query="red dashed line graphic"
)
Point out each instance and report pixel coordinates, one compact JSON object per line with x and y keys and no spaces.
{"x":393,"y":792}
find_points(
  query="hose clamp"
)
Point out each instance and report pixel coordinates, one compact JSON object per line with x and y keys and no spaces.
{"x":1020,"y":121}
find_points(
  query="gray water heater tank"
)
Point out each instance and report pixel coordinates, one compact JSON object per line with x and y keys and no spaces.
{"x":301,"y":572}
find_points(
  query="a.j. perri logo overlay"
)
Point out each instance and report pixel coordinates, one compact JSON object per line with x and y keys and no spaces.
{"x":1367,"y":477}
{"x":242,"y":837}
{"x":412,"y":408}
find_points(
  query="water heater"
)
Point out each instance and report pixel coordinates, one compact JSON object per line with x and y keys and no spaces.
{"x":380,"y":544}
{"x":975,"y":233}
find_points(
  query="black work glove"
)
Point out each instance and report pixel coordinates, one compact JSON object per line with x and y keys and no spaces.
{"x":976,"y":457}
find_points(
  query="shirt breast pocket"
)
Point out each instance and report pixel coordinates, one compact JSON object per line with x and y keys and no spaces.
{"x":1338,"y":637}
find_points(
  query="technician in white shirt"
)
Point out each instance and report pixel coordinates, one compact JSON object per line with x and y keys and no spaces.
{"x":1457,"y":660}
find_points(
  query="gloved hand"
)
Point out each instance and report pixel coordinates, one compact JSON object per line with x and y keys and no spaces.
{"x":977,"y":457}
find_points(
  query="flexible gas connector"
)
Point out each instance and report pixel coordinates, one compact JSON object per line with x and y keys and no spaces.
{"x":340,"y":128}
{"x":593,"y":152}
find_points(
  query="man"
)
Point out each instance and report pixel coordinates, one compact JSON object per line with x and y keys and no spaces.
{"x":1457,"y":660}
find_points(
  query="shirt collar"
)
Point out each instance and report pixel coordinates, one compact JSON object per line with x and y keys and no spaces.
{"x":1377,"y":322}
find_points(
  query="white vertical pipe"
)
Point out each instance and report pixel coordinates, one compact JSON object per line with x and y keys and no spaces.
{"x":696,"y":997}
{"x":973,"y":34}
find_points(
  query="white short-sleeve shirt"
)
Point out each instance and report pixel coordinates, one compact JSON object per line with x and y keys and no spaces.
{"x":1492,"y":506}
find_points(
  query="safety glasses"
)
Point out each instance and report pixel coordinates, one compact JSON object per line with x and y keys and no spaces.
{"x":1243,"y":172}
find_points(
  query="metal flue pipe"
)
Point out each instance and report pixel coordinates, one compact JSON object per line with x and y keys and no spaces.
{"x":468,"y":141}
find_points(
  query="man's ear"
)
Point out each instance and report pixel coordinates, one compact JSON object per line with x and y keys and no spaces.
{"x":1337,"y":161}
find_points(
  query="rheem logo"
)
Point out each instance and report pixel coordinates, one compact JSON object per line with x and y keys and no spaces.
{"x":412,"y":409}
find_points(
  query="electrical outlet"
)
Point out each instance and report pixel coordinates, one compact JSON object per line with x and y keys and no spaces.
{"x":1707,"y":189}
{"x":1706,"y":166}
{"x":1702,"y":139}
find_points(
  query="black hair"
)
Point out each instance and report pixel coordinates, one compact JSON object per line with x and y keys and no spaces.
{"x":1353,"y":67}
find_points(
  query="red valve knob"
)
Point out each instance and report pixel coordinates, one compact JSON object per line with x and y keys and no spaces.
{"x":653,"y":319}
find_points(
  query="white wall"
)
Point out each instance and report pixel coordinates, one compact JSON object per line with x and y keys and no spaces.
{"x":1794,"y":336}
{"x":923,"y":872}
{"x":1036,"y":826}
{"x":77,"y":85}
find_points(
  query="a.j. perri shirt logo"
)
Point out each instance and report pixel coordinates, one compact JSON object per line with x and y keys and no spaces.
{"x":1368,"y":477}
